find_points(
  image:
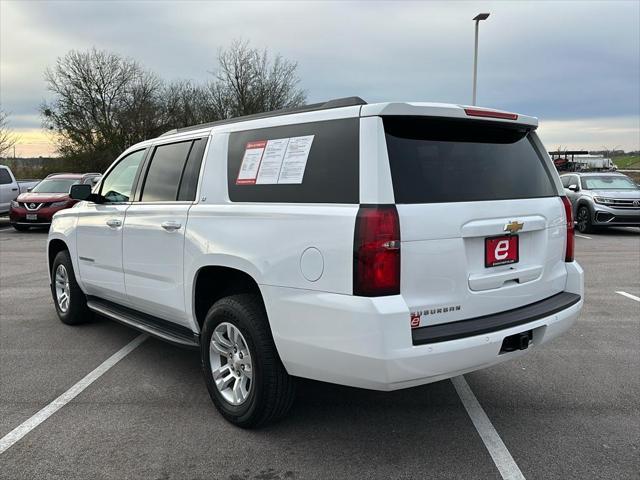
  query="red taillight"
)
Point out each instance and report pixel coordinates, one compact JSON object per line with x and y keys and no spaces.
{"x":568,"y":213}
{"x":376,"y":251}
{"x":476,"y":112}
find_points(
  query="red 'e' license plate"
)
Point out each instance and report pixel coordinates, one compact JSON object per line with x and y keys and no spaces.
{"x":501,"y":250}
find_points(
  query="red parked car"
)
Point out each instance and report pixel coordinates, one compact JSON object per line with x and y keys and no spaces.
{"x":36,"y":207}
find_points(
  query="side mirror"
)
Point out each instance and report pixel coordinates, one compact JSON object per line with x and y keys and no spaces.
{"x":573,"y":188}
{"x":80,"y":191}
{"x":29,"y":189}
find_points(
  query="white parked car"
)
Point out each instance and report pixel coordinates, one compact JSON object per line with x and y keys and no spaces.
{"x":10,"y":188}
{"x":379,"y":246}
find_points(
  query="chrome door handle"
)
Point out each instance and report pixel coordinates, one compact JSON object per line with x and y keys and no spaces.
{"x":114,"y":223}
{"x":171,"y":226}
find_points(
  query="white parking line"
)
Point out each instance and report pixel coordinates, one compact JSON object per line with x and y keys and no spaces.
{"x":496,"y":447}
{"x":628,"y":295}
{"x":583,"y":236}
{"x":21,"y":430}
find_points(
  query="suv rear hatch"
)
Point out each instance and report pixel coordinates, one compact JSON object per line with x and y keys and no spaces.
{"x":483,"y":229}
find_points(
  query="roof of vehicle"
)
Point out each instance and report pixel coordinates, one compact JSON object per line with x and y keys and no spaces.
{"x":595,"y":174}
{"x":336,"y":103}
{"x":71,"y":175}
{"x":355,"y":107}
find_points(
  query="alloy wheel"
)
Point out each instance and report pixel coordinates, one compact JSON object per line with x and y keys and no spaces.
{"x":63,"y":290}
{"x":583,"y":219}
{"x":231,"y":365}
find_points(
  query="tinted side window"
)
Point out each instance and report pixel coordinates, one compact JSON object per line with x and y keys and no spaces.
{"x":191,"y":172}
{"x":5,"y":178}
{"x":117,"y":185}
{"x":165,"y":170}
{"x":331,"y":174}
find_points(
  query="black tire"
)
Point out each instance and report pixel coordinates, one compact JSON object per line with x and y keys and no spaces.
{"x":20,"y":228}
{"x":583,"y":220}
{"x":272,"y":390}
{"x":77,"y":311}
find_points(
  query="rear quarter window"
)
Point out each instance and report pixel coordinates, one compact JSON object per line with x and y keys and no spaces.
{"x":435,"y":160}
{"x":331,"y":173}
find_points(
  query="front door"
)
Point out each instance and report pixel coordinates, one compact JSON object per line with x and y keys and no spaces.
{"x":99,"y":231}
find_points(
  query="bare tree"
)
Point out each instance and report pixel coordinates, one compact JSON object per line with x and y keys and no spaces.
{"x":249,"y":81}
{"x":103,"y":103}
{"x":7,"y":138}
{"x":186,"y":103}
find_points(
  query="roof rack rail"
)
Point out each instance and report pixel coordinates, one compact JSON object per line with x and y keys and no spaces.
{"x":335,"y":103}
{"x":58,"y":173}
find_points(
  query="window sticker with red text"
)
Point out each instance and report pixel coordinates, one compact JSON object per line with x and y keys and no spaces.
{"x":277,"y":161}
{"x":251,"y":163}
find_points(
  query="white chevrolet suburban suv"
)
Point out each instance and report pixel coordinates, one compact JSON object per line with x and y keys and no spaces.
{"x":379,"y":246}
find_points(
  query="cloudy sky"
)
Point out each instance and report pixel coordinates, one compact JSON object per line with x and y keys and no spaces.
{"x":573,"y":64}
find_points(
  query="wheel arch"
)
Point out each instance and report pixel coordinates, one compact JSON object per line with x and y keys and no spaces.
{"x":215,"y":281}
{"x":584,"y":202}
{"x":54,"y":247}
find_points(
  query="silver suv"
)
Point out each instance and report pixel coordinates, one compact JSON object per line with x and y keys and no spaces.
{"x":602,"y":200}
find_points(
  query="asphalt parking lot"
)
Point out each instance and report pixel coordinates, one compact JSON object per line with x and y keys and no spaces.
{"x":568,"y":410}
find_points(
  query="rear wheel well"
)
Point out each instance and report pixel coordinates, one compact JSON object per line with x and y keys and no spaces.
{"x":55,"y":247}
{"x":215,"y":282}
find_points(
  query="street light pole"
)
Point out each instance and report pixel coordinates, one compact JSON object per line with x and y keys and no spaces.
{"x":477,"y":18}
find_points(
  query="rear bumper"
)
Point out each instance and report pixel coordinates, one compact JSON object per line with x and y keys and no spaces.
{"x":367,"y":342}
{"x":493,"y":323}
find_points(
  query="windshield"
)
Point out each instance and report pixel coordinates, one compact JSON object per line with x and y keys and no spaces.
{"x":57,"y":185}
{"x":608,"y":183}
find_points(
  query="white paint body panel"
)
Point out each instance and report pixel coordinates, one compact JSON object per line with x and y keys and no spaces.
{"x":320,"y":329}
{"x":443,"y":256}
{"x":9,"y":191}
{"x":371,"y":337}
{"x":152,"y":259}
{"x":99,"y":249}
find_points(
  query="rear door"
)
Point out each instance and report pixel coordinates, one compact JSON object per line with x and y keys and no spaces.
{"x":482,"y":226}
{"x":154,"y":228}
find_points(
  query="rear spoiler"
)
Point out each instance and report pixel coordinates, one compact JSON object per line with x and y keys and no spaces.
{"x":446,"y":110}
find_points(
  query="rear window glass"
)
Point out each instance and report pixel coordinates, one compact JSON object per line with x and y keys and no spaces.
{"x":435,"y":160}
{"x":165,"y":172}
{"x":329,"y":176}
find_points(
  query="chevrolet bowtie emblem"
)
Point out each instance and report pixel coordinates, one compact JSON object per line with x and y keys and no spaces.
{"x":513,"y":227}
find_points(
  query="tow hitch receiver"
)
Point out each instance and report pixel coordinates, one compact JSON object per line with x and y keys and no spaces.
{"x":519,"y":341}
